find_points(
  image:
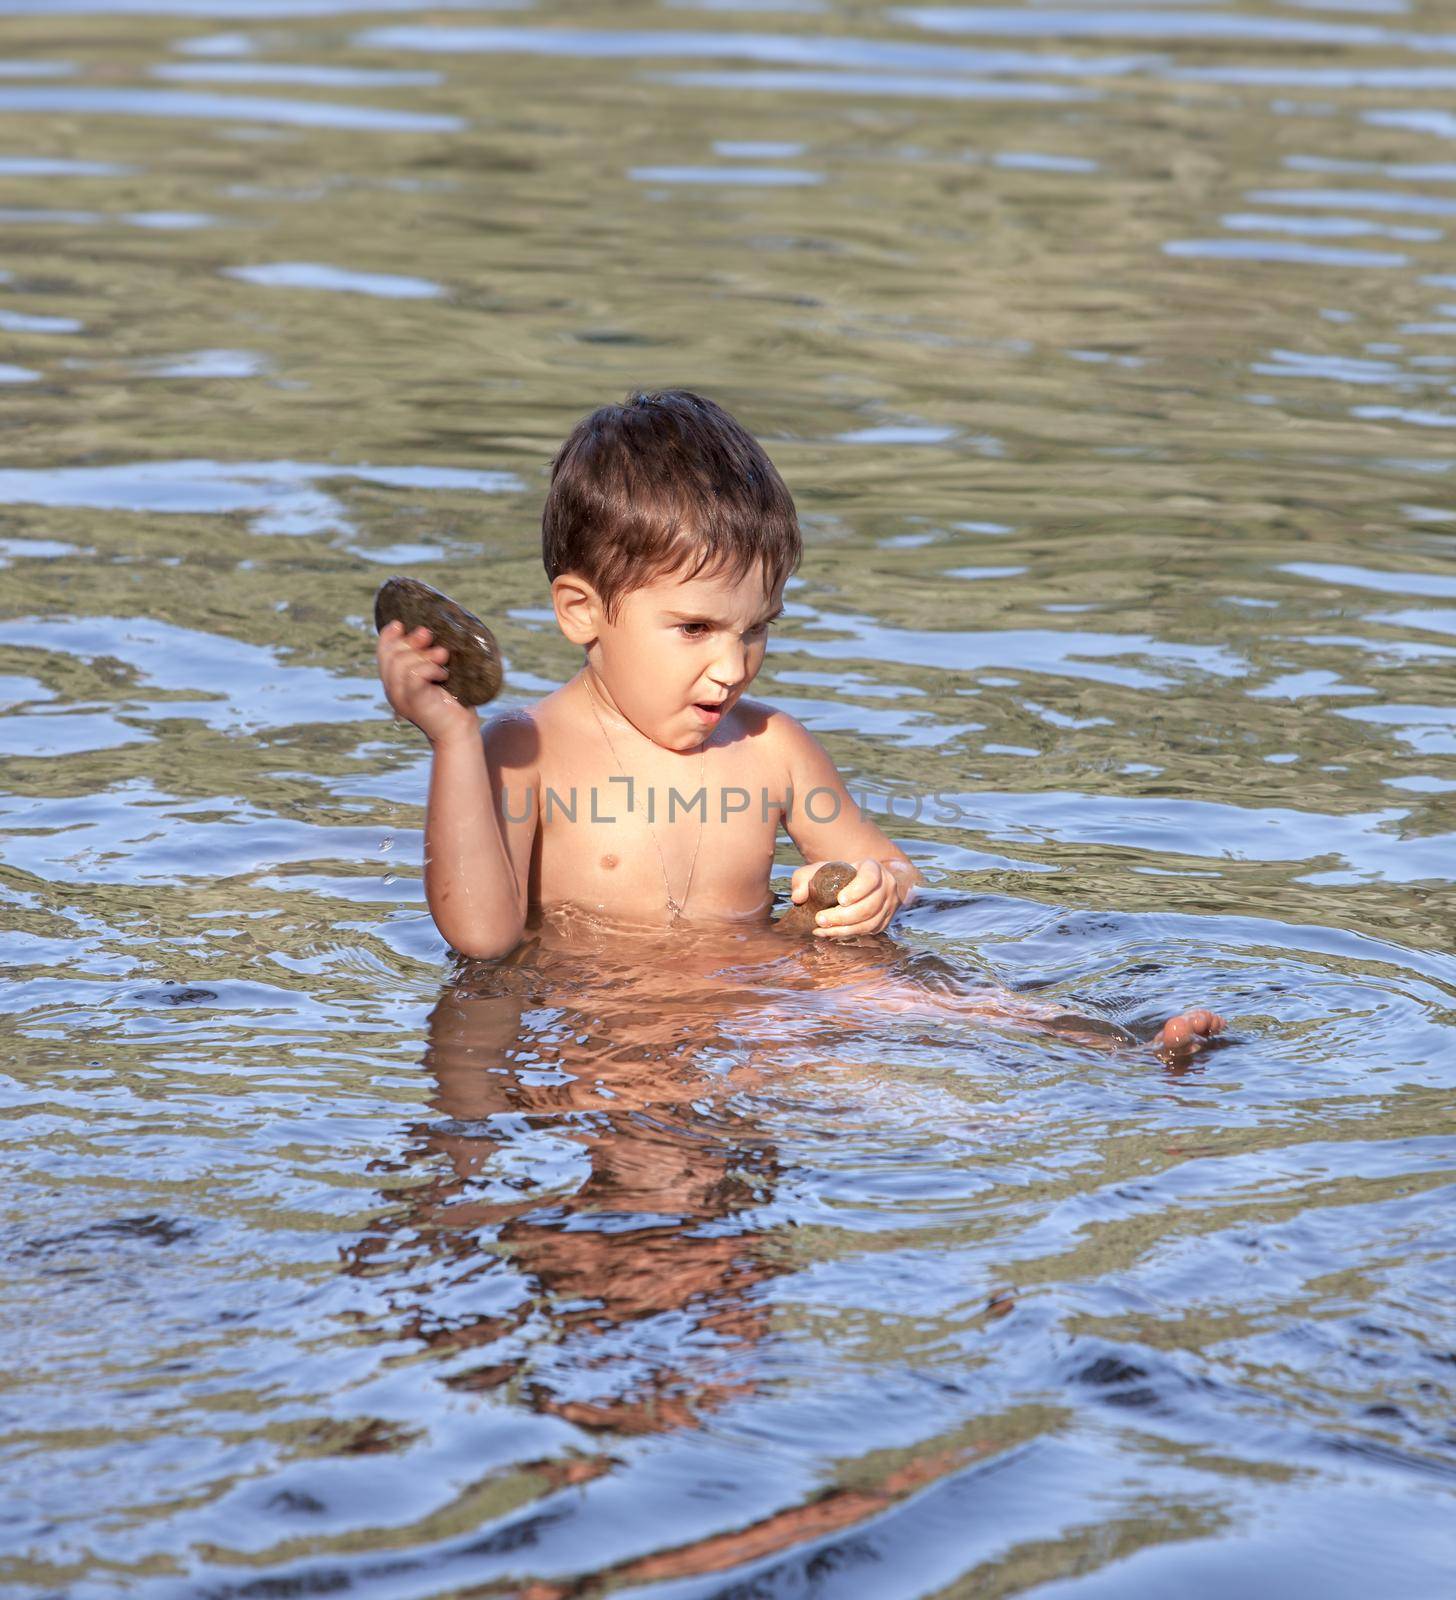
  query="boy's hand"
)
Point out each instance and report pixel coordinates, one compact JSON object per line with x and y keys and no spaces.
{"x":866,"y":903}
{"x":412,"y":671}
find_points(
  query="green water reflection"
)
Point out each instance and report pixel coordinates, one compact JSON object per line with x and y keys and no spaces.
{"x":1110,"y":354}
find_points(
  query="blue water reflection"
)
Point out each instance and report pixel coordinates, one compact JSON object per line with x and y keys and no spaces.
{"x":1108,"y":352}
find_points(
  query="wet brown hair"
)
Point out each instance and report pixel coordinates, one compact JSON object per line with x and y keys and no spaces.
{"x":663,"y":482}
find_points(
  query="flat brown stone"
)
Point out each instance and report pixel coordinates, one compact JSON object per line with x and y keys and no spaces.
{"x":474,"y":664}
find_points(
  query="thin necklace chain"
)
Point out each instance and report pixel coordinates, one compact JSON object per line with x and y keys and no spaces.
{"x":675,"y":907}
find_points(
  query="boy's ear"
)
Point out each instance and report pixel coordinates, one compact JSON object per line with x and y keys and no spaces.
{"x":578,"y":607}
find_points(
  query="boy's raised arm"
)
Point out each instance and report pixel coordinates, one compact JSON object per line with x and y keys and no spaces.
{"x":827,"y":825}
{"x":477,"y":860}
{"x":480,"y":829}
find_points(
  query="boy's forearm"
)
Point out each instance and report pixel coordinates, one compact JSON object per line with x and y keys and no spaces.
{"x":470,"y":882}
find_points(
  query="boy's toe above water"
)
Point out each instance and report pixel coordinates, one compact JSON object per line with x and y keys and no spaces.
{"x":1188,"y":1031}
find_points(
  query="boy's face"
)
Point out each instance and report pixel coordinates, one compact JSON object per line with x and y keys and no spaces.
{"x":681,"y":651}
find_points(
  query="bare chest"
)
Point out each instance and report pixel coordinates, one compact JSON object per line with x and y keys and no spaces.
{"x":695,"y":833}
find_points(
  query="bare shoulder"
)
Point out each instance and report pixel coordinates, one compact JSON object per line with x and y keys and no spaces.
{"x":786,"y":736}
{"x":759,"y":720}
{"x":768,"y":729}
{"x":783,"y":743}
{"x":513,"y":738}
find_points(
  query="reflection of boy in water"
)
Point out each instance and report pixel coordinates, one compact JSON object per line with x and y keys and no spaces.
{"x":582,"y":1225}
{"x":636,"y":1250}
{"x":668,"y":537}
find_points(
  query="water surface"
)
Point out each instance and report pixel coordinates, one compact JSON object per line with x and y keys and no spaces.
{"x":1110,"y":352}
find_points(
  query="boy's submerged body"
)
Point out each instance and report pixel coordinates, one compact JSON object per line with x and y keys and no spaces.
{"x":648,"y":788}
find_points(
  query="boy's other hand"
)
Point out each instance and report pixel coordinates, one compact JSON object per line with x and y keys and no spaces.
{"x":866,"y":904}
{"x":412,"y":671}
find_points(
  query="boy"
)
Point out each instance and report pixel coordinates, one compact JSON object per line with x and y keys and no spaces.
{"x":647,"y":787}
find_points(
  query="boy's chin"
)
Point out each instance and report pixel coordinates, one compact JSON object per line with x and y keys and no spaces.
{"x":682,"y":737}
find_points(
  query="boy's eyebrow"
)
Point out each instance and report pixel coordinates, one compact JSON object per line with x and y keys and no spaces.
{"x":717,"y":622}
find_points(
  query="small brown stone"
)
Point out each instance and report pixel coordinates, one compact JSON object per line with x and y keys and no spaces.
{"x":474,"y":664}
{"x":824,"y":889}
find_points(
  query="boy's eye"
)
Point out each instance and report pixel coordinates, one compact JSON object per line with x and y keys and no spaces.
{"x":700,"y":630}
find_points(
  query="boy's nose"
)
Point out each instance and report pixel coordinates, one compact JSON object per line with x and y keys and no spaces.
{"x":728,"y":670}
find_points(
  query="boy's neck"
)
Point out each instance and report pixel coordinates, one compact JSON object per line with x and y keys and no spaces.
{"x":602,"y":706}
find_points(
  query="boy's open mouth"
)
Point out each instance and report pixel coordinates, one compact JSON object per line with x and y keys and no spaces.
{"x":709,"y":710}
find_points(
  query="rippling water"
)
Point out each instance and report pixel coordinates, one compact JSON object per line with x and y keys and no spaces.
{"x":1111,"y":354}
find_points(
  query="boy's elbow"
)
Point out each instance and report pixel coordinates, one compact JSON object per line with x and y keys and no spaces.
{"x":485,"y":939}
{"x":476,"y":932}
{"x":490,"y":948}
